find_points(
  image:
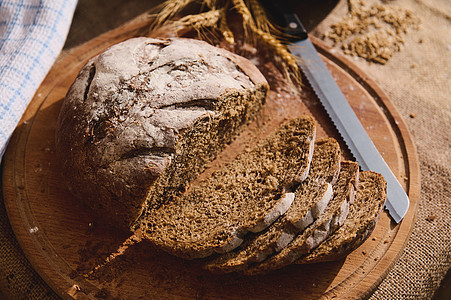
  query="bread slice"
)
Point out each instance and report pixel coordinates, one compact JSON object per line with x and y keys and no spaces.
{"x":311,"y":197}
{"x":362,"y":218}
{"x":148,"y":109}
{"x":334,"y":216}
{"x":246,"y":195}
{"x":315,"y":193}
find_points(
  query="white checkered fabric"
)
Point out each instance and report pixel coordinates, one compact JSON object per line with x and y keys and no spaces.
{"x":32,"y":34}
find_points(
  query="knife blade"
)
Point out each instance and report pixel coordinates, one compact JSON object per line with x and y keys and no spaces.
{"x":337,"y":107}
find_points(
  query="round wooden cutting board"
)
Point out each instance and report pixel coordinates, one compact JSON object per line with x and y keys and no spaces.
{"x":64,"y":240}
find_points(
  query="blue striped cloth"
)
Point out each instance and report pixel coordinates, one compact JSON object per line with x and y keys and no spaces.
{"x":32,"y":34}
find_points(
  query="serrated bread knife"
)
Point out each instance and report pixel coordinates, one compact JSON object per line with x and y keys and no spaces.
{"x":338,"y":108}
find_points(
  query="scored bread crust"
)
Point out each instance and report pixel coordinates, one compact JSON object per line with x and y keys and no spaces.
{"x":311,"y":197}
{"x":362,"y":219}
{"x":333,"y":217}
{"x":246,"y":195}
{"x":122,"y":120}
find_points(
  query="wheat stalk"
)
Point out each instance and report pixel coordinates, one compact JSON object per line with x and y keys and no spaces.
{"x":201,"y":21}
{"x":260,"y":17}
{"x":263,"y":33}
{"x":204,"y":23}
{"x":242,"y":9}
{"x":168,"y":10}
{"x":224,"y":27}
{"x":257,"y":28}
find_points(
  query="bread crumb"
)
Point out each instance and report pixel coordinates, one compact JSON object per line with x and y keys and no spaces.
{"x":363,"y":252}
{"x":412,"y":115}
{"x":373,"y":238}
{"x":386,"y":241}
{"x":431,"y":218}
{"x":413,"y":66}
{"x":73,"y":290}
{"x":91,"y":227}
{"x":376,"y":259}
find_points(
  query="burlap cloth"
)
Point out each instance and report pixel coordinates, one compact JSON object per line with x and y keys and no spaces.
{"x":416,"y":79}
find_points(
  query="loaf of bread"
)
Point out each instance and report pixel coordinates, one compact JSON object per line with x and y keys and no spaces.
{"x":149,"y":109}
{"x":248,"y":194}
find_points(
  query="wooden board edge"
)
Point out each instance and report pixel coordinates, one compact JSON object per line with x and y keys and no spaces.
{"x":408,"y":143}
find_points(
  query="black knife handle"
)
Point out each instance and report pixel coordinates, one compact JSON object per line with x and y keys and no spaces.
{"x":285,"y":16}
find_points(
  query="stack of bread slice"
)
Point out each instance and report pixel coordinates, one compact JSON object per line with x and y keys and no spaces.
{"x":247,"y":195}
{"x":289,"y":200}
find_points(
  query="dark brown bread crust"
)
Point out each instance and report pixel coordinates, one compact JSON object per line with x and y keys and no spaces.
{"x":122,"y":121}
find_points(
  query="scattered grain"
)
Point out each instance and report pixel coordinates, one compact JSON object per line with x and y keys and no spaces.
{"x":431,"y":218}
{"x":374,"y":33}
